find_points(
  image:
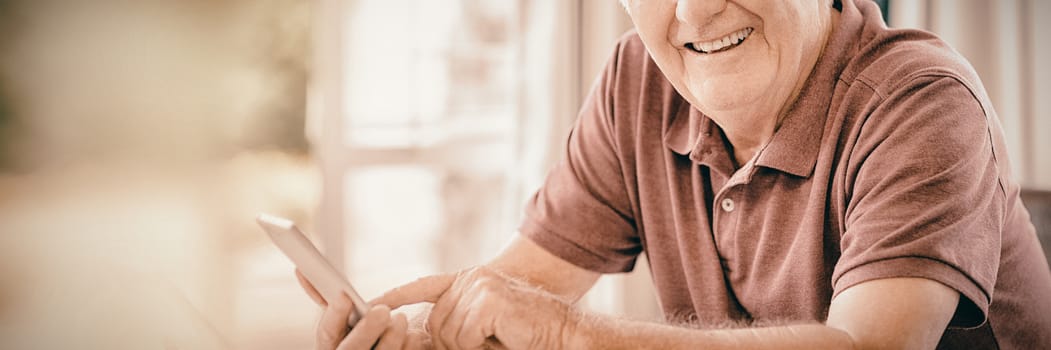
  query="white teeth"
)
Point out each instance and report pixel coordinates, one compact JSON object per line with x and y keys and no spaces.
{"x":724,"y":42}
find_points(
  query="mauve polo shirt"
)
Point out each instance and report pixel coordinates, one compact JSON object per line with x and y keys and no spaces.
{"x":891,"y":163}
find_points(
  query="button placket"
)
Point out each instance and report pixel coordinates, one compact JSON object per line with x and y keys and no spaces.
{"x":725,"y":210}
{"x":724,"y":219}
{"x":724,"y":229}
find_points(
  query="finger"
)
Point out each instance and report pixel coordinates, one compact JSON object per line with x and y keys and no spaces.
{"x":333,"y":325}
{"x":476,"y":324}
{"x":450,"y":311}
{"x":418,"y":321}
{"x":394,"y":337}
{"x":417,"y":341}
{"x":469,"y":290}
{"x":368,"y":330}
{"x":493,"y":344}
{"x":451,"y":328}
{"x":461,"y":334}
{"x":440,"y":313}
{"x":309,"y":288}
{"x":426,"y":289}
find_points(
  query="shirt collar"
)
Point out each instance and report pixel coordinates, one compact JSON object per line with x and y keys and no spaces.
{"x":693,"y":134}
{"x":795,"y":145}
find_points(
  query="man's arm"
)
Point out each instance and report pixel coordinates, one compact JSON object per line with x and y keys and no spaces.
{"x":521,"y":260}
{"x":525,"y":260}
{"x":474,"y":307}
{"x":523,"y":265}
{"x":895,"y":313}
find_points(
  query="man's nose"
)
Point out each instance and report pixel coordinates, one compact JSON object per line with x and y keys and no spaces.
{"x":698,"y":12}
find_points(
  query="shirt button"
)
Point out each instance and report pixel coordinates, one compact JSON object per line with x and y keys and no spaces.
{"x":728,"y":205}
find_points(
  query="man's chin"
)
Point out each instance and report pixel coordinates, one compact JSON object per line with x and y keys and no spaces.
{"x":723,"y":106}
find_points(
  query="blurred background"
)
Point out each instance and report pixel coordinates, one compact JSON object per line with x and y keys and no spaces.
{"x":138,"y":139}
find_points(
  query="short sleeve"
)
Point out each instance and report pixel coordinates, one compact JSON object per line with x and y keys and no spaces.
{"x":582,"y":212}
{"x":927,"y":200}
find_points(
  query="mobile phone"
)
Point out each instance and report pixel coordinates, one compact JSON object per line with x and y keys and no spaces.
{"x":325,"y":278}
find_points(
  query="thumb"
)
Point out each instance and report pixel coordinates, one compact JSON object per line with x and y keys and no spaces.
{"x":427,"y":289}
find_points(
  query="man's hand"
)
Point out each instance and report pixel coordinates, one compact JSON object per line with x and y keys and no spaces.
{"x":377,"y":329}
{"x":480,"y":307}
{"x":521,"y":258}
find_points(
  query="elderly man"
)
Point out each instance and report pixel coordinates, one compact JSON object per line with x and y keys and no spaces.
{"x":799,"y":176}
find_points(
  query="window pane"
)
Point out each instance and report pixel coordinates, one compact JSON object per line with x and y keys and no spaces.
{"x":393,"y":214}
{"x":416,"y":69}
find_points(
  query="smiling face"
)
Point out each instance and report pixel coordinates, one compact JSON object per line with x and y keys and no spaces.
{"x":739,"y":61}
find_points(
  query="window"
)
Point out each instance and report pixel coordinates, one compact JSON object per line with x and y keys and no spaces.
{"x":427,"y":114}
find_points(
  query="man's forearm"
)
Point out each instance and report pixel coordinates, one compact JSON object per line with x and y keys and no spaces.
{"x":601,"y":332}
{"x":891,"y":313}
{"x":526,"y":261}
